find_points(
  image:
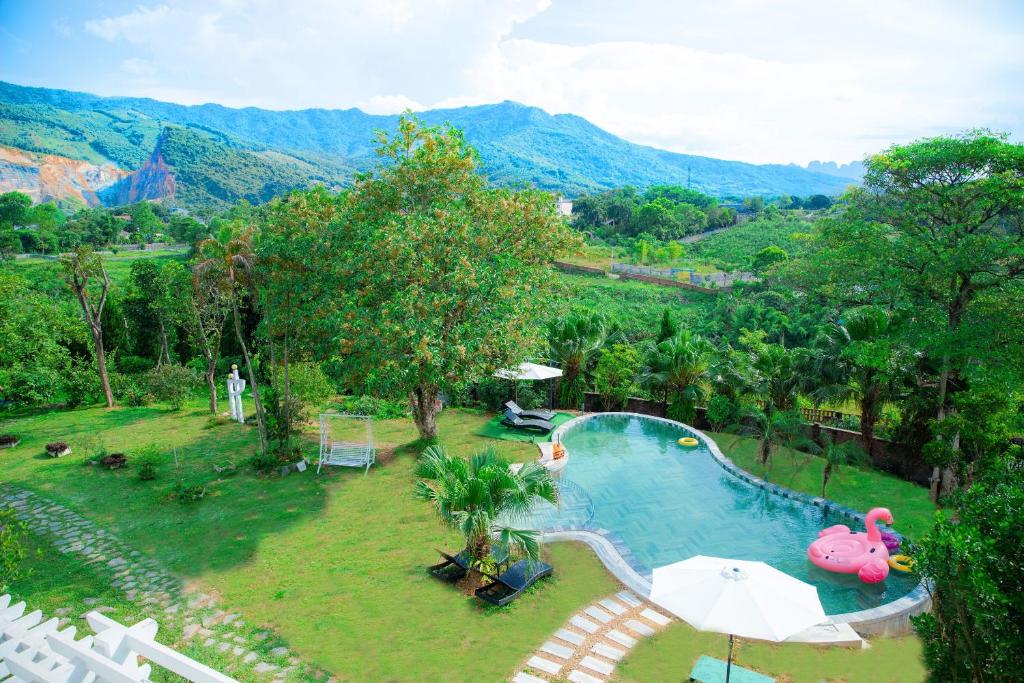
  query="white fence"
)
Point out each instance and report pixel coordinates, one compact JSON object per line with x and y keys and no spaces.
{"x":37,"y":651}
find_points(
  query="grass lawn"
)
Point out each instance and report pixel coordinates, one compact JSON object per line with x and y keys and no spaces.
{"x":854,"y":487}
{"x":336,"y":562}
{"x":493,"y":429}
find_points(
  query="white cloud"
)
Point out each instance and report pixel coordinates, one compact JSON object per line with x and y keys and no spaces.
{"x":745,"y":79}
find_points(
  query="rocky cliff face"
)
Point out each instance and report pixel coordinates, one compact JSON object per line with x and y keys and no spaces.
{"x":153,"y":181}
{"x":48,"y":177}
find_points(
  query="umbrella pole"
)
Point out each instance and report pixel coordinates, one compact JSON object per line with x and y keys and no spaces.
{"x":728,"y":662}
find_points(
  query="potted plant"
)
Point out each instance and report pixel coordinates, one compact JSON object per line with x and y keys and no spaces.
{"x":58,"y":449}
{"x":9,"y":440}
{"x":114,"y":461}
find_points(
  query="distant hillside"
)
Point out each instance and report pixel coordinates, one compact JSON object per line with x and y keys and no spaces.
{"x":517,"y":144}
{"x":853,"y":170}
{"x":72,"y":183}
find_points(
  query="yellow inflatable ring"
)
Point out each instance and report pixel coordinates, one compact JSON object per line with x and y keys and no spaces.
{"x":688,"y":441}
{"x":902,"y":563}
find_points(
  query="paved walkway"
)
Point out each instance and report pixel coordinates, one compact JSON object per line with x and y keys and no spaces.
{"x":161,"y":595}
{"x":587,"y":648}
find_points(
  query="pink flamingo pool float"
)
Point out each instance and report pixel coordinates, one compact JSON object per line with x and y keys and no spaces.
{"x":853,"y":552}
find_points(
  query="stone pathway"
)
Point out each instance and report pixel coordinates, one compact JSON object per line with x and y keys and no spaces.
{"x":587,"y":648}
{"x":162,"y":596}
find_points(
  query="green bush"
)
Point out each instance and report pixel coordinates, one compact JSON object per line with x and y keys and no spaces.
{"x":148,"y":460}
{"x":128,"y":390}
{"x":82,"y":384}
{"x":134,"y":365}
{"x":12,"y":547}
{"x":172,"y":384}
{"x":721,"y":412}
{"x":377,"y":408}
{"x":532,"y":395}
{"x":189,"y":491}
{"x":493,"y":393}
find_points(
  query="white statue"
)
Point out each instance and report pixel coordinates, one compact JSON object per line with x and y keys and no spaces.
{"x":236,"y":385}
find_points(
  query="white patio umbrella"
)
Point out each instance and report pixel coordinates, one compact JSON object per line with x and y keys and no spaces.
{"x":738,"y":597}
{"x":529,"y":372}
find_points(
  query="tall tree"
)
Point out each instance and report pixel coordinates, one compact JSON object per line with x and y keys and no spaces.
{"x":209,"y":304}
{"x":857,"y":360}
{"x":938,"y":226}
{"x":83,"y":271}
{"x":230,"y":254}
{"x":440,"y":278}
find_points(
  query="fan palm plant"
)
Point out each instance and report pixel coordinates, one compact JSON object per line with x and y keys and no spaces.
{"x":772,"y":428}
{"x":856,"y":361}
{"x":479,"y":496}
{"x":574,"y":342}
{"x":231,"y":257}
{"x":836,"y":455}
{"x":680,"y":367}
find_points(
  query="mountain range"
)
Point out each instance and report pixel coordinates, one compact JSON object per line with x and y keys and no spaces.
{"x":205,"y":157}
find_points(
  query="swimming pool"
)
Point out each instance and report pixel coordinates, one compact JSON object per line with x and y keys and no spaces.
{"x":665,"y":503}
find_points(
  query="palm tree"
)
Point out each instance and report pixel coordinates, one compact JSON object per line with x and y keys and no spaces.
{"x":855,"y":361}
{"x":772,"y":428}
{"x":681,"y":367}
{"x":836,"y":455}
{"x":230,"y":255}
{"x":574,"y":342}
{"x":774,"y":375}
{"x":480,"y":495}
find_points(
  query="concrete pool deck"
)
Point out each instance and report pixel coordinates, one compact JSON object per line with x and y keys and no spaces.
{"x":892,"y":618}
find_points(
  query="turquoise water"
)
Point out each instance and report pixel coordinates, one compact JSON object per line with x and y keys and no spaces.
{"x":667,"y":503}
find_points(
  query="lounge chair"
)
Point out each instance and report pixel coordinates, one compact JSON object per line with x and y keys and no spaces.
{"x":530,"y":414}
{"x":454,"y":568}
{"x":711,"y":670}
{"x":516,"y":422}
{"x":507,"y":586}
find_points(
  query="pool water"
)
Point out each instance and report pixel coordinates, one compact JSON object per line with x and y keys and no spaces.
{"x":666,"y":503}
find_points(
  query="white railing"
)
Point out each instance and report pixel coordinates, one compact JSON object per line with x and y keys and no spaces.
{"x":37,"y":651}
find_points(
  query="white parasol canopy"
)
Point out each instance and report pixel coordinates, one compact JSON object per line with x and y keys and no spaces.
{"x":529,"y":371}
{"x":737,"y":597}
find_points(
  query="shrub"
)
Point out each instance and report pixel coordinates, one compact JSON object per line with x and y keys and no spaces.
{"x":377,"y":408}
{"x":188,"y":491}
{"x":82,"y":384}
{"x":721,"y":412}
{"x":493,"y":393}
{"x":308,"y":383}
{"x":148,"y":459}
{"x":171,"y":383}
{"x":265,"y":463}
{"x":12,"y":547}
{"x":129,"y":391}
{"x":134,"y":365}
{"x":531,"y":395}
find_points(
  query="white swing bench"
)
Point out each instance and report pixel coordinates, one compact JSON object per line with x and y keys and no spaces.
{"x":346,"y":453}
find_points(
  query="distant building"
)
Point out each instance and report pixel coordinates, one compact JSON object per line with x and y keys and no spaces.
{"x":124,"y":217}
{"x":564,"y":207}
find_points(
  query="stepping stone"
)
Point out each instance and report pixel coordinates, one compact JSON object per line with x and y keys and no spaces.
{"x":598,"y":665}
{"x":523,"y":677}
{"x":577,"y":676}
{"x":613,"y":606}
{"x":279,"y":652}
{"x":621,"y":638}
{"x":569,"y":636}
{"x":560,"y":651}
{"x":264,"y":667}
{"x":599,"y":614}
{"x":608,"y":651}
{"x":638,"y":627}
{"x":545,"y":665}
{"x":629,"y":599}
{"x":584,"y":624}
{"x":656,"y":617}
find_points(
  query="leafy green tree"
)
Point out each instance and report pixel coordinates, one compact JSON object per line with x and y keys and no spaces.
{"x":936,"y":229}
{"x":774,"y":373}
{"x":83,"y":271}
{"x":668,"y":327}
{"x":14,"y":208}
{"x":974,"y":631}
{"x":680,"y":367}
{"x":835,"y":455}
{"x":857,"y":360}
{"x":440,"y":278}
{"x":574,"y":342}
{"x":754,"y":205}
{"x":816,"y":202}
{"x":230,"y":257}
{"x":615,"y":375}
{"x":480,"y":498}
{"x":13,"y":550}
{"x":768,"y":257}
{"x":209,"y":303}
{"x":10,"y":245}
{"x":772,"y":429}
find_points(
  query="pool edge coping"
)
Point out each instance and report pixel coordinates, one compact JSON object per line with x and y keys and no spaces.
{"x":890,"y":618}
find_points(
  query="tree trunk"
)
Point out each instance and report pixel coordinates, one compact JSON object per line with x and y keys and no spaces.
{"x":867,"y":427}
{"x":101,"y":364}
{"x":765,"y":450}
{"x":165,"y":354}
{"x":423,"y":400}
{"x":260,"y":427}
{"x":826,"y":474}
{"x":211,"y":382}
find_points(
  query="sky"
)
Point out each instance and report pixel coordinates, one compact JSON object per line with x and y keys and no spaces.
{"x":762,"y":81}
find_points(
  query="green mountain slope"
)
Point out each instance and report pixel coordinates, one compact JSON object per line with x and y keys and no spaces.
{"x":517,"y":144}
